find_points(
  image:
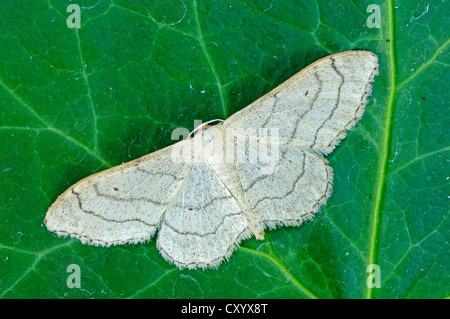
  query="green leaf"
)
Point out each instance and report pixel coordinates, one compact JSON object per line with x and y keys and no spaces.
{"x":76,"y":101}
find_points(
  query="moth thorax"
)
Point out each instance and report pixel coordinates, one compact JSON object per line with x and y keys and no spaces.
{"x":213,"y":144}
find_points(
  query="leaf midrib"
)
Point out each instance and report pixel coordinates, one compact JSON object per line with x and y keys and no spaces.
{"x":386,"y":142}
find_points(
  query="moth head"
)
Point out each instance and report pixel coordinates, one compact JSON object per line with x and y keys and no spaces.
{"x":213,"y":141}
{"x":209,"y":135}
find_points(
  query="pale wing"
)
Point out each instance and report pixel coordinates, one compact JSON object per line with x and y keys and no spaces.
{"x":300,"y":182}
{"x":204,"y":223}
{"x":122,"y":204}
{"x":315,"y":107}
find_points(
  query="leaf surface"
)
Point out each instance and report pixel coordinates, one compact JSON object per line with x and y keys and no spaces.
{"x":76,"y":101}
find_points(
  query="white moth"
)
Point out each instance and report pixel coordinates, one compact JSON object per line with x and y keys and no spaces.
{"x":205,"y":203}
